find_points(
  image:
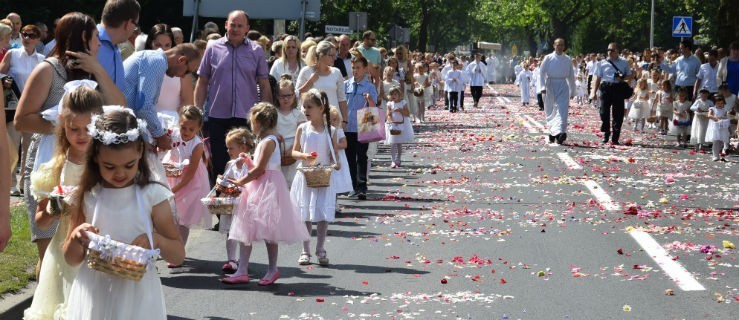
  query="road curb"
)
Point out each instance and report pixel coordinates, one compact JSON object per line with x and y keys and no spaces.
{"x":13,"y":305}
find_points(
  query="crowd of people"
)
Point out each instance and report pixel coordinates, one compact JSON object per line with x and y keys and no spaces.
{"x":140,"y":137}
{"x":689,"y":92}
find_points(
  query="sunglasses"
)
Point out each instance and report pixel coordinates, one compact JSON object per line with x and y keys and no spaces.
{"x":29,"y":35}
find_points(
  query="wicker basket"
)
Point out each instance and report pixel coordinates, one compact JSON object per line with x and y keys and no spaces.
{"x":117,"y":258}
{"x":395,"y":132}
{"x":317,"y":176}
{"x":222,"y":205}
{"x":172,"y":170}
{"x":652,"y":119}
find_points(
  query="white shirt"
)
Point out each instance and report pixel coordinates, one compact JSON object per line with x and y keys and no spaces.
{"x":332,"y":84}
{"x":707,"y":74}
{"x":477,"y":71}
{"x":21,"y":65}
{"x":556,"y":66}
{"x":280,"y":67}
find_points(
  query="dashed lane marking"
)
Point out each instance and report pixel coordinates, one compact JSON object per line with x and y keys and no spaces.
{"x":571,"y":163}
{"x":674,"y":269}
{"x":602,"y":197}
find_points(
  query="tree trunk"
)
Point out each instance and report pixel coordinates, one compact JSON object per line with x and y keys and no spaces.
{"x":728,"y":29}
{"x":533,"y":45}
{"x":560,"y":29}
{"x":423,"y":28}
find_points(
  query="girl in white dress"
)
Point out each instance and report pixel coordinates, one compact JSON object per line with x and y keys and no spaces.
{"x":388,"y":82}
{"x":65,"y":169}
{"x":289,"y":117}
{"x":397,"y":119}
{"x":315,"y":142}
{"x":700,"y":119}
{"x":718,"y":128}
{"x":341,"y":179}
{"x":421,"y":80}
{"x":664,"y":100}
{"x":116,"y":198}
{"x":239,"y":141}
{"x":681,"y":117}
{"x":640,"y":109}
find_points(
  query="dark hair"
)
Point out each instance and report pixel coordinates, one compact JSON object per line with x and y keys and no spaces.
{"x":156,"y":30}
{"x":32,"y":27}
{"x":117,"y":12}
{"x":116,"y":121}
{"x":615,"y":45}
{"x":367,"y":34}
{"x":687,"y":43}
{"x":253,"y":35}
{"x":67,"y":36}
{"x":188,"y":50}
{"x":361,"y":60}
{"x":734,"y":45}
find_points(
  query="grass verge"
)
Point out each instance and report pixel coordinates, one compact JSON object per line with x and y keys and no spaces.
{"x":19,"y":258}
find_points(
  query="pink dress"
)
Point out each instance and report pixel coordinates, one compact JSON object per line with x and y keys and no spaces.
{"x":190,"y":211}
{"x":265,"y":211}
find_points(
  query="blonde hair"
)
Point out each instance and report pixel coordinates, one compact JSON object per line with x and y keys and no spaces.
{"x":642,"y":84}
{"x":315,"y":52}
{"x":5,"y":30}
{"x":334,"y":112}
{"x":192,"y":113}
{"x":241,"y":136}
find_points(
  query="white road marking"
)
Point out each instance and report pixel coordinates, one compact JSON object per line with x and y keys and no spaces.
{"x":507,"y":100}
{"x":536,"y":123}
{"x":674,"y":269}
{"x":528,"y":126}
{"x":601,"y":196}
{"x":571,"y":163}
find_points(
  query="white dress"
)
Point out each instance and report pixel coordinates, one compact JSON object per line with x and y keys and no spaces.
{"x":718,"y":130}
{"x":700,"y":121}
{"x":314,"y":204}
{"x":97,"y":295}
{"x":342,"y":179}
{"x":169,"y":101}
{"x":56,"y":276}
{"x":287,"y":125}
{"x":640,"y":109}
{"x":406,"y":128}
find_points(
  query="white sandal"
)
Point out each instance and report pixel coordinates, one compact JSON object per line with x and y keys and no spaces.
{"x":304,"y":259}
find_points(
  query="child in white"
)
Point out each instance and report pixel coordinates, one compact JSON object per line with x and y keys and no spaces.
{"x":65,"y":169}
{"x":581,"y":91}
{"x":653,"y":84}
{"x":640,"y":109}
{"x":681,"y":117}
{"x":398,"y":128}
{"x":523,"y":80}
{"x":437,"y":83}
{"x":387,"y":83}
{"x":289,"y":117}
{"x":700,"y":119}
{"x":192,"y":185}
{"x":239,"y":141}
{"x":421,"y":81}
{"x":718,"y":128}
{"x":315,"y":143}
{"x":664,"y":100}
{"x":116,"y":198}
{"x":341,"y":179}
{"x":452,"y":81}
{"x":461,"y":84}
{"x":265,"y":211}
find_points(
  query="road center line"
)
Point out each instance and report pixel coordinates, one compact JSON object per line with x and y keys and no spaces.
{"x":571,"y":163}
{"x":601,"y":195}
{"x":674,"y":269}
{"x":536,"y":123}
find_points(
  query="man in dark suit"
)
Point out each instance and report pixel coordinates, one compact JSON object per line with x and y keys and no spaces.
{"x":343,"y":60}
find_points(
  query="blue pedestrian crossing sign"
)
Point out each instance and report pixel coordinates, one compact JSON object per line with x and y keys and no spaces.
{"x":682,"y":27}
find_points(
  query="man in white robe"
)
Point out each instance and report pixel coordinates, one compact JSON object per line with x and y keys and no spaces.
{"x":558,"y":82}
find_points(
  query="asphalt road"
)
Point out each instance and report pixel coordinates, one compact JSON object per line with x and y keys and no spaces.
{"x":486,"y":220}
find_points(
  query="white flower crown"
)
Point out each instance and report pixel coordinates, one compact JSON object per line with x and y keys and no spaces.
{"x":109,"y":137}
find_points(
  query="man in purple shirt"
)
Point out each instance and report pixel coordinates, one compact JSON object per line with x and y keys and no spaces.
{"x":229,"y":73}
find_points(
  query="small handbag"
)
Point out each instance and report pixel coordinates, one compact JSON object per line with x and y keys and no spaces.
{"x":395,"y":131}
{"x":286,"y":159}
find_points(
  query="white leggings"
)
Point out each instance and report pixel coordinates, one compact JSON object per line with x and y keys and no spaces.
{"x":396,"y":150}
{"x":719,"y":147}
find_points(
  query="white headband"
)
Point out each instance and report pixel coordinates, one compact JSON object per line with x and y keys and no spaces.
{"x":109,"y":137}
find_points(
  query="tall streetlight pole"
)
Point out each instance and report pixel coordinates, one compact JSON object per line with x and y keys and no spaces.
{"x":651,"y":27}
